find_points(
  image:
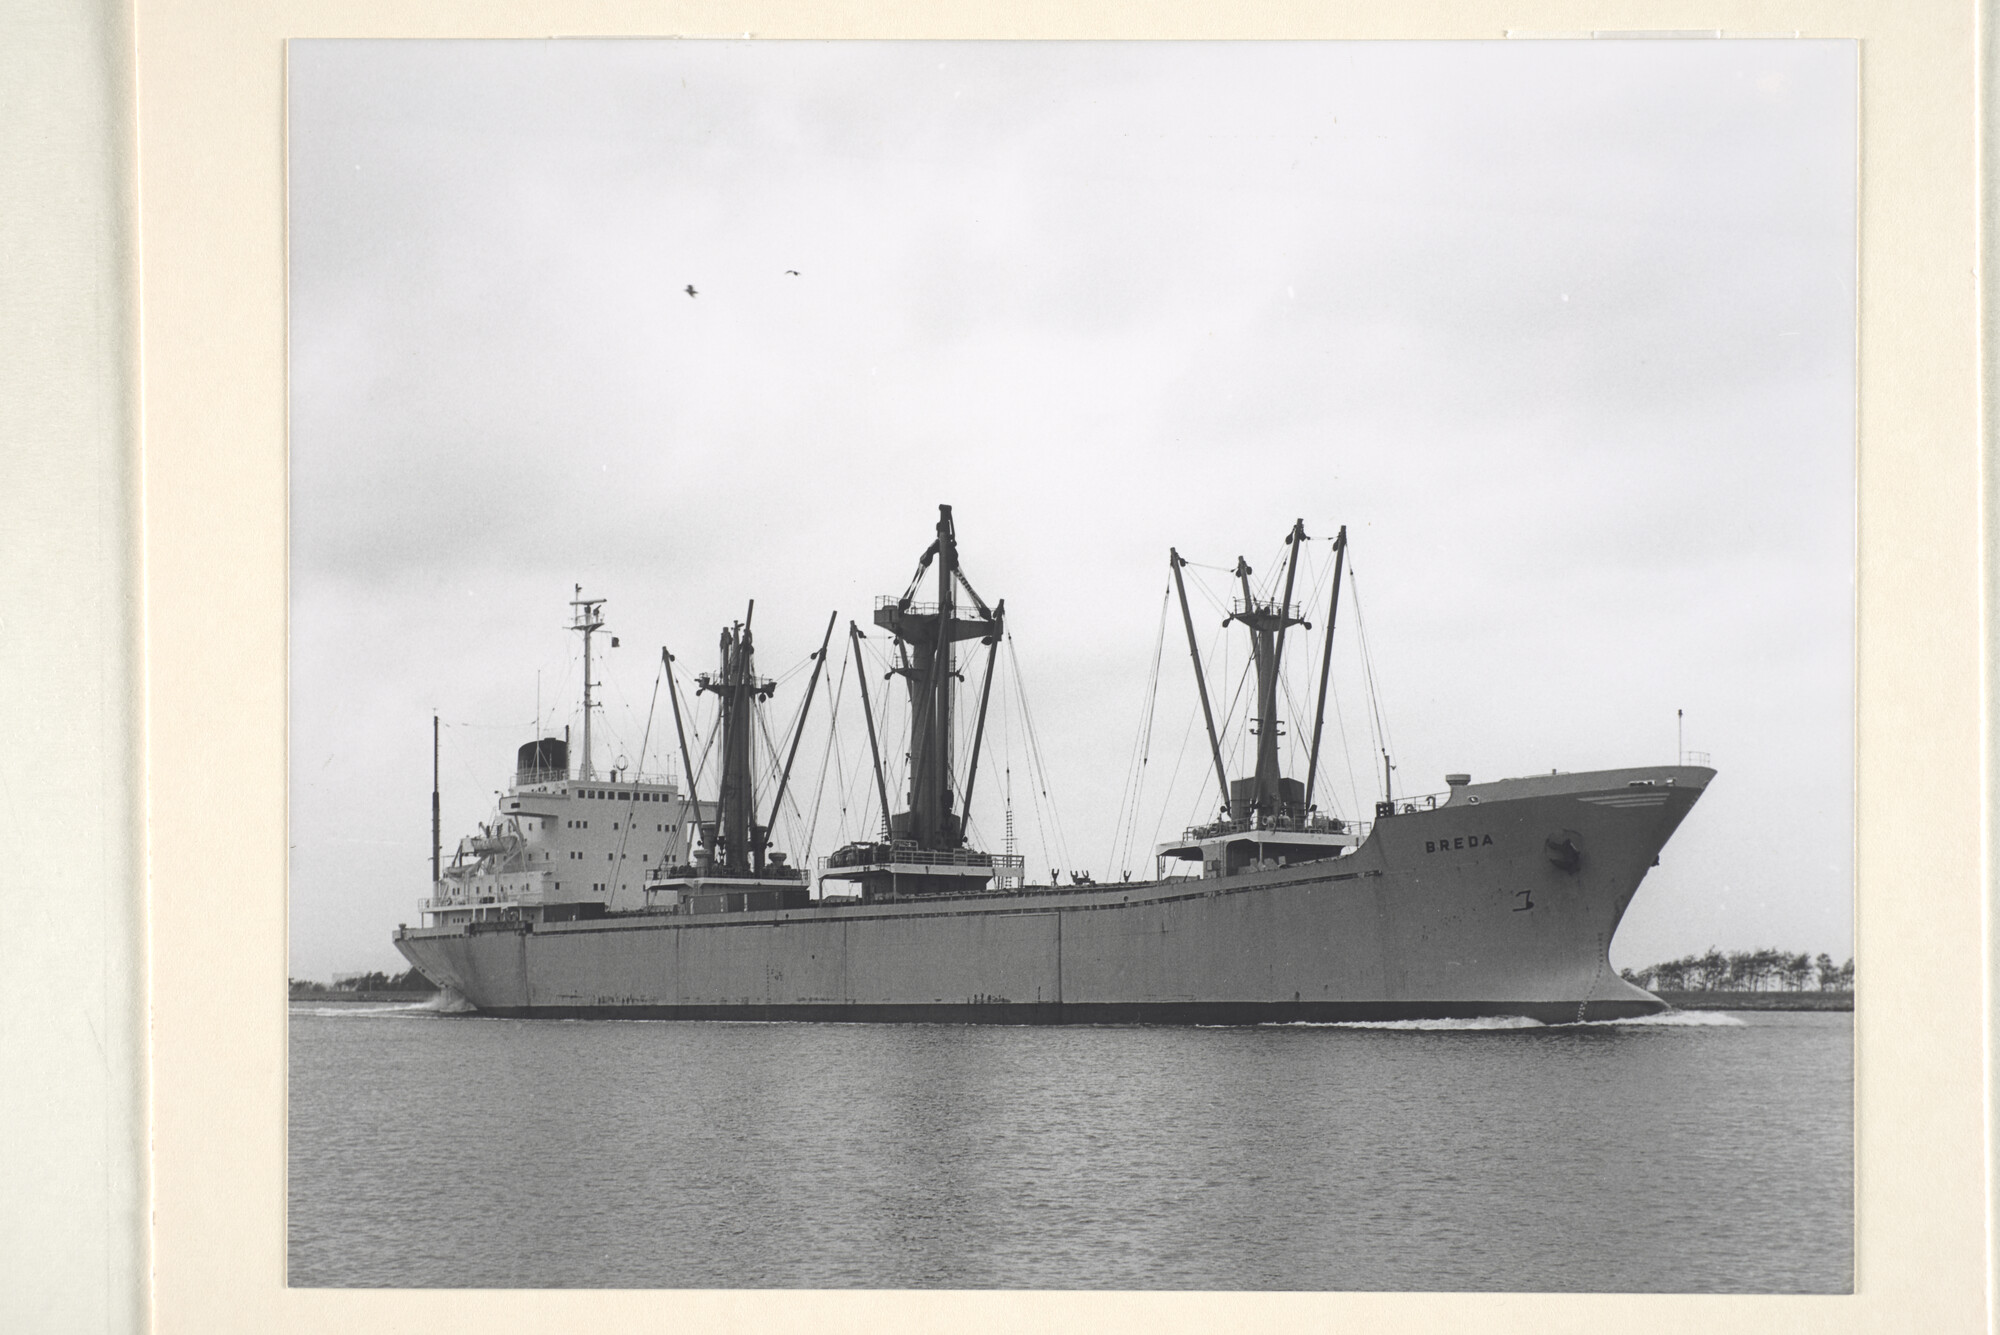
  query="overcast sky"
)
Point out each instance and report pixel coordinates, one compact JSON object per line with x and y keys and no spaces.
{"x":1563,"y":332}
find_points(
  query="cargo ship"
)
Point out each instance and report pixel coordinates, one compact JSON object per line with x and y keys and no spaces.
{"x":630,"y":895}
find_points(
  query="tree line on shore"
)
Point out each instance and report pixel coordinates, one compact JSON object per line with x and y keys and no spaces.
{"x":407,"y":981}
{"x":1746,"y":971}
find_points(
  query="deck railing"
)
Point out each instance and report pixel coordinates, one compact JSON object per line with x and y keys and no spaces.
{"x":860,"y":855}
{"x":1269,"y":606}
{"x":1409,"y":804}
{"x":1279,"y":825}
{"x":622,"y":785}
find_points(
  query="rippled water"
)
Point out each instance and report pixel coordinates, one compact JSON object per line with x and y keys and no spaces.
{"x":1698,"y":1152}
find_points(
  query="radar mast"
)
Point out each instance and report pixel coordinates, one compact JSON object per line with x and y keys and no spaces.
{"x":588,"y":619}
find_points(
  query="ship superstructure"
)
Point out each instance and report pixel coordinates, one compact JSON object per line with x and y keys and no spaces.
{"x":562,"y":844}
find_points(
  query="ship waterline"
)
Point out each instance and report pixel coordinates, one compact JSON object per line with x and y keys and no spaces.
{"x":1500,"y":899}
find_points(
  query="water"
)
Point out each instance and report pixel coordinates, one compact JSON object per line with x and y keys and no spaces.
{"x":1700,"y":1152}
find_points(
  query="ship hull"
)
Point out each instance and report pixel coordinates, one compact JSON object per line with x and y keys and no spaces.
{"x":1501,"y":901}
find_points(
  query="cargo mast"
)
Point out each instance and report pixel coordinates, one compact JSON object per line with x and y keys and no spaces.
{"x":734,"y":868}
{"x":737,"y":690}
{"x":926,"y":851}
{"x":927,"y":634}
{"x":1267,"y":793}
{"x":1268,"y":820}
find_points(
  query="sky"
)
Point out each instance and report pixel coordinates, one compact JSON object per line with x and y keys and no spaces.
{"x":1561,"y":332}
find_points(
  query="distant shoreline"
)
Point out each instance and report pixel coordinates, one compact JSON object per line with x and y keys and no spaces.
{"x":350,"y":998}
{"x":1758,"y":1001}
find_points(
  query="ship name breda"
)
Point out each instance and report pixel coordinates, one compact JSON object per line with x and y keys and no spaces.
{"x":1457,"y":842}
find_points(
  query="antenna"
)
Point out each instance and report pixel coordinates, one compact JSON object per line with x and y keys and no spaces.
{"x":589,"y":619}
{"x":1007,"y":791}
{"x":434,"y":802}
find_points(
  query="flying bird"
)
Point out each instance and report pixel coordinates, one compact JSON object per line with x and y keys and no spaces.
{"x":690,"y":290}
{"x":793,"y":272}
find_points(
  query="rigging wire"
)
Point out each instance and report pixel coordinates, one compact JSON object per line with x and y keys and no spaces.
{"x":1142,"y":744}
{"x":632,"y":794}
{"x":1379,"y":726}
{"x":891,"y":777}
{"x":1347,"y":753}
{"x":1320,"y":573}
{"x":458,"y":752}
{"x":1039,"y":775}
{"x":1166,"y":802}
{"x":1009,"y":726}
{"x":1229,"y":715}
{"x":771,"y":766}
{"x":831,"y":753}
{"x":701,"y":761}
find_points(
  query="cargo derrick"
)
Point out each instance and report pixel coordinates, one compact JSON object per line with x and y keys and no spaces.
{"x":924,"y":850}
{"x":733,"y":869}
{"x":1267,"y":820}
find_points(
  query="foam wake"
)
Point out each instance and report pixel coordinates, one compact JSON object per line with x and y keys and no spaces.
{"x":1468,"y":1022}
{"x":1680,"y":1019}
{"x":369,"y":1012}
{"x":444,"y":1002}
{"x":449,"y":1001}
{"x":1665,"y":1019}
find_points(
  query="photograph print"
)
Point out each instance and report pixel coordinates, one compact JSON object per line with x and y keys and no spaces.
{"x":1047,"y":665}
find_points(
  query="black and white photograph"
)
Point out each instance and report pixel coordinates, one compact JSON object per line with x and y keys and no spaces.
{"x":1072,"y":665}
